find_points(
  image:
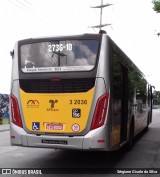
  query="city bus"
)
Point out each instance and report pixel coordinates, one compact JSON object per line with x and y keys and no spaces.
{"x":76,"y":92}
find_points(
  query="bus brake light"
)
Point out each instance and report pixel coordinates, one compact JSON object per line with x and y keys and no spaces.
{"x":100,"y":112}
{"x":16,"y":118}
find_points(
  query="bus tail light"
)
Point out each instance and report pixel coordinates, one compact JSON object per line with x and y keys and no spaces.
{"x":100,"y":112}
{"x":16,"y":118}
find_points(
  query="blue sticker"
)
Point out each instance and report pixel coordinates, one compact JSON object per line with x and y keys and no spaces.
{"x":35,"y":125}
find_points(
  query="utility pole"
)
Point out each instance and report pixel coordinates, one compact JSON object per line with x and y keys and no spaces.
{"x":101,"y":15}
{"x":101,"y":11}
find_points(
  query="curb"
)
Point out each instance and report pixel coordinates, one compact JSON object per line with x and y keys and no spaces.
{"x":4,"y":130}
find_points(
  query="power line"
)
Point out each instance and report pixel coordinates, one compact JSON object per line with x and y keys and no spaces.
{"x":13,"y":3}
{"x":20,"y":6}
{"x":101,"y":6}
{"x":27,"y":2}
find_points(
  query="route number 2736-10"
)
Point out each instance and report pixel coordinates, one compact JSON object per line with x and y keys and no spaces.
{"x":77,"y":102}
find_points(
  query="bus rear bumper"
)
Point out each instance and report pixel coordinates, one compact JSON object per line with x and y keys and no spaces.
{"x":93,"y":140}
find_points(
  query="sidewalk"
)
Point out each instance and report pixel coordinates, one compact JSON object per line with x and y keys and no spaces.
{"x":4,"y":127}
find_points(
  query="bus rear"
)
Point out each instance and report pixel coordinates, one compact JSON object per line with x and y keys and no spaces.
{"x":59,"y":98}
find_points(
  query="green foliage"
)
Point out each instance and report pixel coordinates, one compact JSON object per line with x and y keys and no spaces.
{"x":156,"y":6}
{"x":5,"y":121}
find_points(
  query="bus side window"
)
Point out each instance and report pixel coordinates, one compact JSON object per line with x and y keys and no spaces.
{"x":137,"y":90}
{"x":117,"y":86}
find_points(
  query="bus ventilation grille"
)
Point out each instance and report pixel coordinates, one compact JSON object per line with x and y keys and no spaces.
{"x":62,"y":86}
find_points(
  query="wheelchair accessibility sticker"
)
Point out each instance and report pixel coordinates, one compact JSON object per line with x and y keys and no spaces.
{"x":35,"y":125}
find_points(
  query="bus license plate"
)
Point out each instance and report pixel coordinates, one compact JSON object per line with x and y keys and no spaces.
{"x":54,"y":142}
{"x":54,"y":126}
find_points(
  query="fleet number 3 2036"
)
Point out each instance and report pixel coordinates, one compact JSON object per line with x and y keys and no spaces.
{"x":76,"y":102}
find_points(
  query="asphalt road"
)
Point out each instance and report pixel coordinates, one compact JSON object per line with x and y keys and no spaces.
{"x":144,"y":154}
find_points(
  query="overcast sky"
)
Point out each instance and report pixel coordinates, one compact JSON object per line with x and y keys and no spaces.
{"x":134,"y":28}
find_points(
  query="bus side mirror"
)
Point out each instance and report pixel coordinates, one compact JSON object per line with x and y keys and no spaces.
{"x":12,"y":53}
{"x":153,"y":86}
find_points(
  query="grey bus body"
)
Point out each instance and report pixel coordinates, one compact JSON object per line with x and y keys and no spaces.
{"x":129,"y":99}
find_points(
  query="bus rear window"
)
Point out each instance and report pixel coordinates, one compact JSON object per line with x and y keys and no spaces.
{"x":57,"y":56}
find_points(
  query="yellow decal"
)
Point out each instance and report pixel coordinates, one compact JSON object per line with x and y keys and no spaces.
{"x":59,"y":113}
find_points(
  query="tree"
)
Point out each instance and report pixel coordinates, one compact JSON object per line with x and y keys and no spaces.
{"x":156,"y":6}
